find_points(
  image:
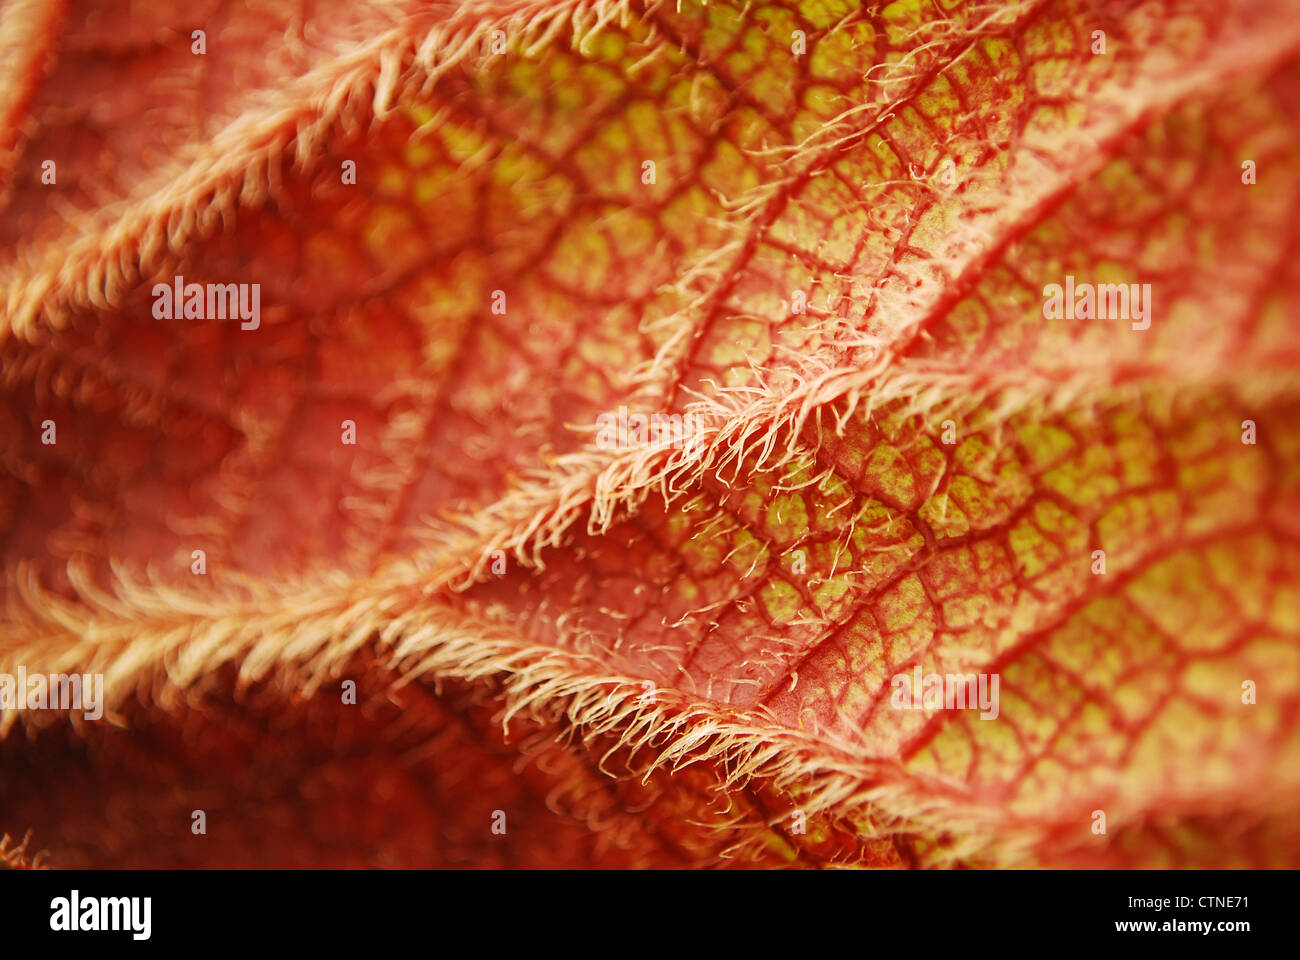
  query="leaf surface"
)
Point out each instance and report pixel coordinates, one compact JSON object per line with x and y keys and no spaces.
{"x":654,"y":655}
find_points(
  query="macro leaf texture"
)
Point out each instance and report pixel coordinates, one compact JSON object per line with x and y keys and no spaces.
{"x":820,"y":234}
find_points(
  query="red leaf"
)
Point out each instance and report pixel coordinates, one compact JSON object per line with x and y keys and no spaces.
{"x":826,"y":241}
